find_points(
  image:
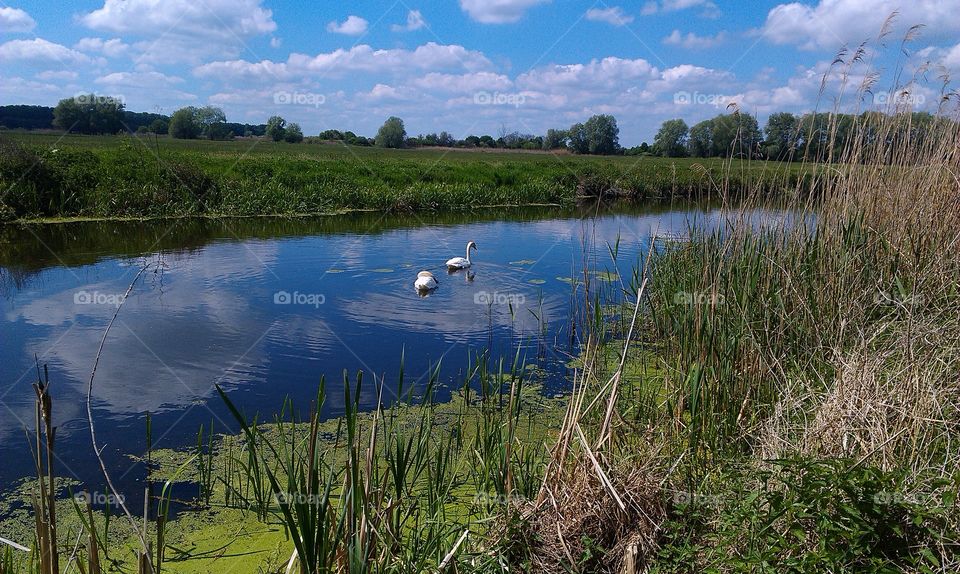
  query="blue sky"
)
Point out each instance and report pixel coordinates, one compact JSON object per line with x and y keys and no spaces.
{"x":475,"y":66}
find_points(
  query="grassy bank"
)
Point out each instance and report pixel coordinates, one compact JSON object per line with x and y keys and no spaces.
{"x":49,"y":175}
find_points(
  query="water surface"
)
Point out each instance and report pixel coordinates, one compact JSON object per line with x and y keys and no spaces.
{"x":266,"y":307}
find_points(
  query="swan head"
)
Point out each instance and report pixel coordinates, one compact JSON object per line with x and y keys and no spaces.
{"x":472,"y":245}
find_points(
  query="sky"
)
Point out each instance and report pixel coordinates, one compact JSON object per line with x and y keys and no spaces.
{"x":481,"y":66}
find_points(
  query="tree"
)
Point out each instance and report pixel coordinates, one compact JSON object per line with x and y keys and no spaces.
{"x":159,"y":126}
{"x":700,"y":139}
{"x":577,"y":139}
{"x":782,"y":133}
{"x":602,"y":135}
{"x":184,"y":123}
{"x":392,"y":134}
{"x":276,"y":128}
{"x":736,"y":135}
{"x":671,"y":139}
{"x":89,"y":114}
{"x":555,"y":139}
{"x":293,"y":133}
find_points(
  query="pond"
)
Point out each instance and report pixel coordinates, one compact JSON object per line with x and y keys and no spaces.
{"x":265,"y":307}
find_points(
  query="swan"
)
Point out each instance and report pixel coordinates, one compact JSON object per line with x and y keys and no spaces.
{"x":462,"y":262}
{"x":426,"y":281}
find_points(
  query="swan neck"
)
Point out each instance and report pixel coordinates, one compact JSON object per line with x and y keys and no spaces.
{"x":468,"y":254}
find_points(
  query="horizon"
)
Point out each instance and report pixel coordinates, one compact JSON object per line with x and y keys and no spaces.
{"x":466,"y":67}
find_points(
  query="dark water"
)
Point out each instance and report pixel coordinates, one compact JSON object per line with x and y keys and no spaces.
{"x":216,"y":314}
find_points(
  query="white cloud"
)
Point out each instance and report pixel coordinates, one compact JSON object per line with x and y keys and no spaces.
{"x":613,"y":16}
{"x":40,"y":51}
{"x":692,"y":41}
{"x":498,"y":11}
{"x":708,"y":8}
{"x":352,"y":26}
{"x":607,"y":72}
{"x":65,"y":75}
{"x":415,"y":22}
{"x":832,"y":24}
{"x":15,"y":20}
{"x":361,"y":58}
{"x":183,"y":30}
{"x":138,"y":79}
{"x":463,"y":83}
{"x":111,"y":48}
{"x":275,"y":42}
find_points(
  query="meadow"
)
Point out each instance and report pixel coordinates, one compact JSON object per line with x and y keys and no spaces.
{"x":47,"y":175}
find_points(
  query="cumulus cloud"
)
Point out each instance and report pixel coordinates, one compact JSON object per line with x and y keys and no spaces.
{"x":692,"y":41}
{"x":498,"y":11}
{"x":139,"y":79}
{"x":708,"y":9}
{"x":361,"y":58}
{"x":352,"y":26}
{"x":415,"y":22}
{"x":40,"y":52}
{"x":831,"y":24}
{"x":112,"y":48}
{"x":183,"y":30}
{"x":613,"y":16}
{"x":14,"y":20}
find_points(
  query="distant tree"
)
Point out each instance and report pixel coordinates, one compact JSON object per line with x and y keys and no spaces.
{"x":293,"y":133}
{"x":159,"y":126}
{"x":488,"y":141}
{"x":736,"y":135}
{"x":700,"y":139}
{"x":276,"y":128}
{"x":218,"y":131}
{"x":472,"y":141}
{"x":446,"y":140}
{"x":577,"y":139}
{"x":555,"y":139}
{"x":671,"y":139}
{"x":89,"y":114}
{"x":602,"y":135}
{"x":781,"y":136}
{"x":335,"y":135}
{"x":392,"y":134}
{"x":184,"y":123}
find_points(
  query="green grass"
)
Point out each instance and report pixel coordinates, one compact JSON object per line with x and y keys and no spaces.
{"x":50,"y":175}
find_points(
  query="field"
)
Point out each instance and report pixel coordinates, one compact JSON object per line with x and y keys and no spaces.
{"x":50,"y":175}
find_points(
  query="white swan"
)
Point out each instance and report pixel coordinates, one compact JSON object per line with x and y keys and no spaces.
{"x":426,"y":281}
{"x":462,"y":262}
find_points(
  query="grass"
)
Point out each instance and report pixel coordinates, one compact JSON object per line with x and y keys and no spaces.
{"x":56,"y":176}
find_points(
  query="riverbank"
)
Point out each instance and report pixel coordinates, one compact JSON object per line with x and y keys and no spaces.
{"x":55,"y":176}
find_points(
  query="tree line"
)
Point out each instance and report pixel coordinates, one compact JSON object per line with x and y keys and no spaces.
{"x":818,"y":136}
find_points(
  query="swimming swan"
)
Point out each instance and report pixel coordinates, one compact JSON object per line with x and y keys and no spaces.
{"x":462,"y":262}
{"x":426,"y":281}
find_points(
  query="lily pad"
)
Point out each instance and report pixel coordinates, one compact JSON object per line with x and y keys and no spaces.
{"x":536,"y":281}
{"x":335,"y":270}
{"x":565,"y":279}
{"x":605,"y":275}
{"x":382,"y":270}
{"x":523,"y":262}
